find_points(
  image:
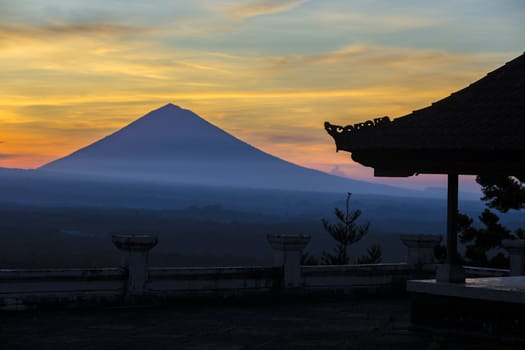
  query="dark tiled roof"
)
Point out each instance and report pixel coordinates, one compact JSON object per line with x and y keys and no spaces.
{"x":477,"y":130}
{"x":487,"y":115}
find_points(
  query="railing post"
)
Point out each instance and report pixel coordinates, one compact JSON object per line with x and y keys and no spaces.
{"x":420,"y":248}
{"x":516,"y":249}
{"x":135,"y":249}
{"x":287,"y":253}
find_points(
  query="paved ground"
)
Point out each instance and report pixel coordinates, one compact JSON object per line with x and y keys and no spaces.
{"x":345,"y":324}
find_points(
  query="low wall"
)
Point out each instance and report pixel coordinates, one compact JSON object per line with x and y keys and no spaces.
{"x":21,"y":289}
{"x":27,"y":288}
{"x":348,"y":278}
{"x":135,"y":281}
{"x":171,"y":281}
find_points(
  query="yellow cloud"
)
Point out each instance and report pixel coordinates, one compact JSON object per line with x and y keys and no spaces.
{"x":376,"y":21}
{"x":385,"y":57}
{"x":56,"y":31}
{"x":262,"y":7}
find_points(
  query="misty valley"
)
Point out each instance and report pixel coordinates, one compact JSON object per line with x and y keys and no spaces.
{"x":210,"y":198}
{"x":224,"y":227}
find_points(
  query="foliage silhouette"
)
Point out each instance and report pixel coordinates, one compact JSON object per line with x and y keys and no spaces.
{"x":374,"y":255}
{"x":345,"y":232}
{"x":502,"y":192}
{"x":482,"y":244}
{"x":309,"y":259}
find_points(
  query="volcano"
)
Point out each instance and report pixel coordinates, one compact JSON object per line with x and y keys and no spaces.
{"x":175,"y":145}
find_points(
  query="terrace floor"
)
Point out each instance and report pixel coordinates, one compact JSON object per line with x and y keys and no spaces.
{"x":315,"y":323}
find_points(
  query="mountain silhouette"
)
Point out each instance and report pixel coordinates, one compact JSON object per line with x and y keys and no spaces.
{"x":172,"y":144}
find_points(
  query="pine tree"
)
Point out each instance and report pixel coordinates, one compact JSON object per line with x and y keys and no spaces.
{"x":345,"y":232}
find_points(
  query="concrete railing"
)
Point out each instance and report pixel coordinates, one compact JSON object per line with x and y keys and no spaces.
{"x":350,"y":278}
{"x":136,"y":281}
{"x":193,"y":280}
{"x":26,"y":288}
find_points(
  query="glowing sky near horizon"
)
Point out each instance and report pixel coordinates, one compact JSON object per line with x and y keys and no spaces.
{"x":269,"y":72}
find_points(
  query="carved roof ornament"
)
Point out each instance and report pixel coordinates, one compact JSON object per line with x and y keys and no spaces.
{"x":339,"y":132}
{"x":334,"y":130}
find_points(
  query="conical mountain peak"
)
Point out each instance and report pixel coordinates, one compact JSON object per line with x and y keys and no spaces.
{"x":169,"y":123}
{"x":168,"y":107}
{"x":173,"y":144}
{"x":170,"y":111}
{"x":170,"y":133}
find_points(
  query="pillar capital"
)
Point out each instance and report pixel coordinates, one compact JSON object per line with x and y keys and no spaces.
{"x":516,"y":249}
{"x":420,"y":248}
{"x":421,"y":240}
{"x":514,"y":245}
{"x":288,"y":242}
{"x":134,"y":243}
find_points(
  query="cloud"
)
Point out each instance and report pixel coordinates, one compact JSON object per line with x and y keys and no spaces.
{"x":292,"y":139}
{"x":373,"y":55}
{"x":382,"y":68}
{"x":377,"y":22}
{"x":338,"y":171}
{"x":46,"y":31}
{"x":262,"y":7}
{"x":68,"y":128}
{"x":4,"y":156}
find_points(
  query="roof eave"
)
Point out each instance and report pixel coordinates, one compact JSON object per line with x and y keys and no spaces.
{"x":403,"y":163}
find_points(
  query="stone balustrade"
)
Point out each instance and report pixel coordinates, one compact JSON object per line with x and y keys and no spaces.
{"x":135,"y":281}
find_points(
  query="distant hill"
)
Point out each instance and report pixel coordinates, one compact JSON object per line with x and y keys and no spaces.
{"x":174,"y":145}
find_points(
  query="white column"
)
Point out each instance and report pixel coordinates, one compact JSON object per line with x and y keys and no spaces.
{"x":288,"y":251}
{"x":135,"y":249}
{"x":516,"y":249}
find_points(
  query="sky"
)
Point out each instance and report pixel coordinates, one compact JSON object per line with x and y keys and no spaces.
{"x":268,"y":71}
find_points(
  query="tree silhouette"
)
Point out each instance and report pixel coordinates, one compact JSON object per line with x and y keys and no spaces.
{"x":480,"y":242}
{"x":502,"y":193}
{"x":345,"y":232}
{"x":309,"y":259}
{"x":374,"y":255}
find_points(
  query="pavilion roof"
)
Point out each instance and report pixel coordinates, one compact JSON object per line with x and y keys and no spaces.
{"x":479,"y":129}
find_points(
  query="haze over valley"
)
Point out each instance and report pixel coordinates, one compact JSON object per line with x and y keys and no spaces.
{"x":211,"y":198}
